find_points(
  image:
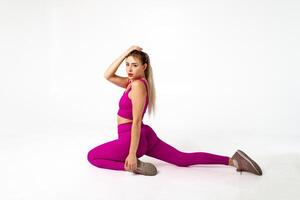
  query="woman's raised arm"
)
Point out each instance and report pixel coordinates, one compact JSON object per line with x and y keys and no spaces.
{"x":111,"y":70}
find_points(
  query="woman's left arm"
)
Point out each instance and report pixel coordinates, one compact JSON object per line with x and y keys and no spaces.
{"x":138,"y":98}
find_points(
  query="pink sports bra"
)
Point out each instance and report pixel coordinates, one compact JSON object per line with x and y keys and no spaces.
{"x":125,"y":104}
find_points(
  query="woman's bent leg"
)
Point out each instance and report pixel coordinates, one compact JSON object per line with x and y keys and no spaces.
{"x":112,"y":155}
{"x":165,"y":152}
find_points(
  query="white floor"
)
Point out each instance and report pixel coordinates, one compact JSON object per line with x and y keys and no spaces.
{"x":55,"y":167}
{"x":228,"y":70}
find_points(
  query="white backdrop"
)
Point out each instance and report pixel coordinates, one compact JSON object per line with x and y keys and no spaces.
{"x":226,"y":75}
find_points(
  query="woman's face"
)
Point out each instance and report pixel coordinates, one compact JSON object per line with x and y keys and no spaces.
{"x":134,"y":68}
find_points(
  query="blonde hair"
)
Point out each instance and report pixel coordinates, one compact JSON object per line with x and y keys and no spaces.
{"x":144,"y":58}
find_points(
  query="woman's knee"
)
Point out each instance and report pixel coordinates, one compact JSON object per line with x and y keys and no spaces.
{"x":90,"y":155}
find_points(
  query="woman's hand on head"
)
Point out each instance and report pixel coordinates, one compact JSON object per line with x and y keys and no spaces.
{"x":134,"y":47}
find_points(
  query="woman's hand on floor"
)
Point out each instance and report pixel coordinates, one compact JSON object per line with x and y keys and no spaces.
{"x":130,"y":162}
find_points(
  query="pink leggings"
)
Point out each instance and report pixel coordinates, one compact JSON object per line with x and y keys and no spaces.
{"x":112,"y":155}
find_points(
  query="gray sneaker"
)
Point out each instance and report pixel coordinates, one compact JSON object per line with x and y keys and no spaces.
{"x":244,"y":163}
{"x":145,"y":168}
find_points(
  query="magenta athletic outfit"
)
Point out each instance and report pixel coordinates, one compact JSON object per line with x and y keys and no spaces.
{"x":125,"y":104}
{"x":112,"y":154}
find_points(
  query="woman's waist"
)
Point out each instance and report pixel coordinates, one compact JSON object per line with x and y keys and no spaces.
{"x":126,"y":126}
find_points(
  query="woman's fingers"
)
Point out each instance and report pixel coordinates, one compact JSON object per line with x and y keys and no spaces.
{"x":134,"y":167}
{"x":126,"y":165}
{"x":135,"y":47}
{"x":139,"y":48}
{"x":130,"y":165}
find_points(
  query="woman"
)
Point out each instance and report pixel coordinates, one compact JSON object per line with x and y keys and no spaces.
{"x":136,"y":139}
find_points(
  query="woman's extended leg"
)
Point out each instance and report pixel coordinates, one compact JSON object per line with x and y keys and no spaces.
{"x":165,"y":152}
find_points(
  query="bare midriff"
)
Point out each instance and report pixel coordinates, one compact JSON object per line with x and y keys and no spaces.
{"x":122,"y":120}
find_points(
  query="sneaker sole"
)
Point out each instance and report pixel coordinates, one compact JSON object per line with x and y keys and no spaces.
{"x":145,"y":168}
{"x":252,"y":162}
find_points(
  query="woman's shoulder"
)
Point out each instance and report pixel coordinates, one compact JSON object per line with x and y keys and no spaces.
{"x":141,"y":81}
